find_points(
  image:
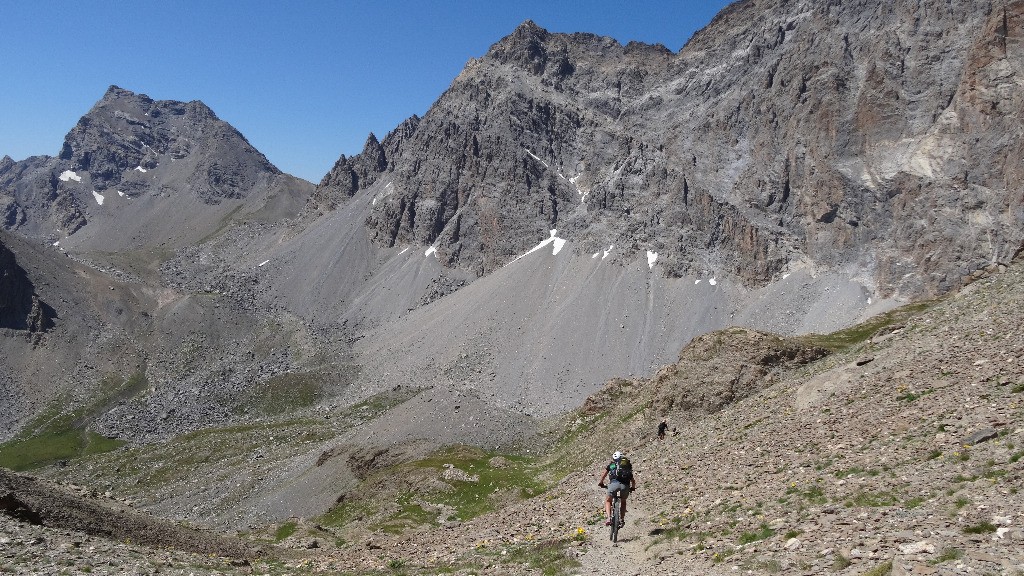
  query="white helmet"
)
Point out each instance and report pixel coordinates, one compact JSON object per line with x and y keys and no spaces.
{"x":617,"y":455}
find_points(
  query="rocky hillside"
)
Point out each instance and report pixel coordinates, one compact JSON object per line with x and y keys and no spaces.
{"x":894,"y":447}
{"x":877,"y":135}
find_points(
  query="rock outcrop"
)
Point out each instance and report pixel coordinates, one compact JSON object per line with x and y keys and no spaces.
{"x":20,"y":306}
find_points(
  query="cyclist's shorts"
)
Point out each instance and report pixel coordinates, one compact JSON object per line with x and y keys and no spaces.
{"x":615,"y":485}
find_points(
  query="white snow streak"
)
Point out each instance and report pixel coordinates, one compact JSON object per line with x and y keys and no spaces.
{"x":140,"y":169}
{"x":69,"y":175}
{"x":786,"y":275}
{"x":430,"y":251}
{"x":713,"y":281}
{"x":57,"y":243}
{"x":608,"y":251}
{"x":697,"y":281}
{"x":534,"y":156}
{"x":121,"y":194}
{"x":652,"y":257}
{"x":558,"y":242}
{"x":98,"y":197}
{"x":262,"y":263}
{"x":404,"y":250}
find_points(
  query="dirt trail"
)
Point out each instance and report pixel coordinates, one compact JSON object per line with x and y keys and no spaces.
{"x":627,"y":556}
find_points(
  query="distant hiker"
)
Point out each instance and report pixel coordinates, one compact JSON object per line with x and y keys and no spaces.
{"x":620,"y":478}
{"x":661,"y":430}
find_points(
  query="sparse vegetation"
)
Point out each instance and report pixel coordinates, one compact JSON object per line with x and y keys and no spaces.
{"x":762,"y":533}
{"x":881,"y":570}
{"x":59,"y":435}
{"x":980,"y":528}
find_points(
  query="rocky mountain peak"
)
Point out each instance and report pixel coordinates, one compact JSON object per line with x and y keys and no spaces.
{"x":524,"y":47}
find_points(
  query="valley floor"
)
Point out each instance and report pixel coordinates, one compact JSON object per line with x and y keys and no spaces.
{"x":903,"y":454}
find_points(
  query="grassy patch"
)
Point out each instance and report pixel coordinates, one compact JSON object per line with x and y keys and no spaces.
{"x":914,"y":502}
{"x":284,"y":531}
{"x":880,"y":570}
{"x":980,"y":528}
{"x":471,"y":499}
{"x":286,"y":393}
{"x":479,"y":482}
{"x":813,"y":494}
{"x":855,"y":335}
{"x":762,"y":533}
{"x":948,"y":555}
{"x":549,"y":557}
{"x":871,"y":499}
{"x":63,"y":435}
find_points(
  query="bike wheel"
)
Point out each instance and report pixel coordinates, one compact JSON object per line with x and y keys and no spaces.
{"x":616,"y":517}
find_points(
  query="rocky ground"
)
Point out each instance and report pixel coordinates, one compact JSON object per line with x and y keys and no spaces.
{"x":898,"y":454}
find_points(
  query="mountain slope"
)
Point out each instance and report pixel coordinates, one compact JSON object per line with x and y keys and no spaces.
{"x":834,"y":133}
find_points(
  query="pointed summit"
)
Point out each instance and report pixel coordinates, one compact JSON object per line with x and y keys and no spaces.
{"x":524,"y":47}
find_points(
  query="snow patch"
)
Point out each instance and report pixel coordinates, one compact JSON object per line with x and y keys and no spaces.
{"x":57,"y":243}
{"x":652,"y":257}
{"x":404,"y":250}
{"x":121,"y":194}
{"x":713,"y":281}
{"x":69,"y":175}
{"x":697,"y":281}
{"x":786,"y":275}
{"x":430,"y":251}
{"x":608,"y":251}
{"x":558,"y":242}
{"x":98,"y":197}
{"x":141,"y":169}
{"x":262,"y":263}
{"x":869,"y":300}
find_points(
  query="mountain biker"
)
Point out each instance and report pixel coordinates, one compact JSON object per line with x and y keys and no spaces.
{"x":620,"y":478}
{"x":661,"y":429}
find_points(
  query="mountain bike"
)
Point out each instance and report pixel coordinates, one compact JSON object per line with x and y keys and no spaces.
{"x":616,"y":518}
{"x":613,"y":533}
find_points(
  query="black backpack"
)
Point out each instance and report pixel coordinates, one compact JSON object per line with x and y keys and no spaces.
{"x":621,"y":471}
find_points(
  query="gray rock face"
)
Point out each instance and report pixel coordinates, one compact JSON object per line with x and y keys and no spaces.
{"x":352,"y":174}
{"x":882,"y":135}
{"x":20,"y":306}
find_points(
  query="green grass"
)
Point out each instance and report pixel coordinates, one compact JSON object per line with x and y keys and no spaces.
{"x":286,"y":393}
{"x":517,"y":479}
{"x":762,"y":533}
{"x":813,"y":494}
{"x":980,"y":528}
{"x":947,"y":555}
{"x":1016,"y":457}
{"x":549,"y":557}
{"x":881,"y":570}
{"x":57,"y":435}
{"x":870,"y":499}
{"x":285,"y":530}
{"x":855,"y":335}
{"x":914,"y":502}
{"x":471,"y":499}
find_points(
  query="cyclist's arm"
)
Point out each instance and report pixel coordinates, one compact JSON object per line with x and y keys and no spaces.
{"x":601,"y":481}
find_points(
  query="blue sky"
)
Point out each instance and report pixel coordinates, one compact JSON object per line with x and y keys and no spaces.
{"x":303,"y":81}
